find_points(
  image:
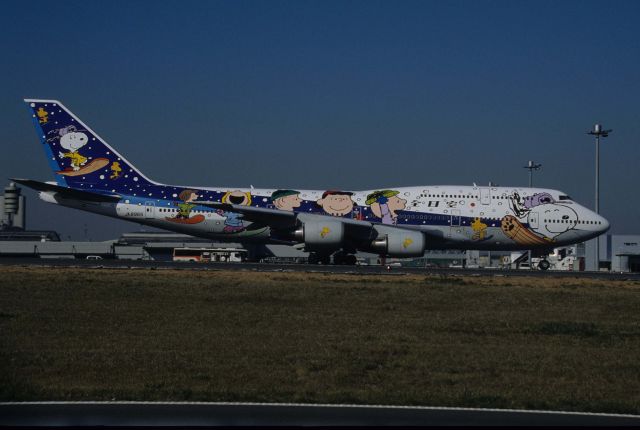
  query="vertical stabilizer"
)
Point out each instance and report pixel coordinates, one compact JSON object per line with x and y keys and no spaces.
{"x":78,"y":157}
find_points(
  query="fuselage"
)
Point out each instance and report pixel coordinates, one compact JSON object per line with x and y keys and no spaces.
{"x":451,"y":217}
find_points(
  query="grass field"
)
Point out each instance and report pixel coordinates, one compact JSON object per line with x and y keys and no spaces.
{"x":534,"y":343}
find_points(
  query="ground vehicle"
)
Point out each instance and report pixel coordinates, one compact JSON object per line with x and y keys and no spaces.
{"x":559,"y":259}
{"x":207,"y":255}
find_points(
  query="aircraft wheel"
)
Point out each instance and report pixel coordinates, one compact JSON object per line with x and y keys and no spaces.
{"x":544,"y":265}
{"x":350,"y":260}
{"x":339,"y":258}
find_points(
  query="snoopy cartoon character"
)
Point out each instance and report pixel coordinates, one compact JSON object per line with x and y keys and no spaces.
{"x":556,"y":219}
{"x":72,"y":140}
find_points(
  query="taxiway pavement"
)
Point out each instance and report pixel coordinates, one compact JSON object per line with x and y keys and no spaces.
{"x":271,"y":267}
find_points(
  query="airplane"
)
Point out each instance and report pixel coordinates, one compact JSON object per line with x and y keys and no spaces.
{"x":397,"y":222}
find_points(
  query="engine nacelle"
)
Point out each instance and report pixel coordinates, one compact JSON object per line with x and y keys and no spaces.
{"x":399,"y":243}
{"x":325,"y":235}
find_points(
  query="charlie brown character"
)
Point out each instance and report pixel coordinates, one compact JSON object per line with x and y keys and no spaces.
{"x":336,"y":203}
{"x":385,"y":204}
{"x":286,"y":200}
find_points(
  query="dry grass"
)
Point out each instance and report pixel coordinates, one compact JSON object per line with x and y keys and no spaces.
{"x":552,"y":343}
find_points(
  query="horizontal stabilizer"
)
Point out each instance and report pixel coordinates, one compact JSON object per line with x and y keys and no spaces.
{"x":67,"y":192}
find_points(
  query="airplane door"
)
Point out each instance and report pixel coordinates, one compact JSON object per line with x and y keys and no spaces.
{"x":455,"y":223}
{"x":533,"y":219}
{"x":485,"y":196}
{"x":455,"y":218}
{"x":149,"y":210}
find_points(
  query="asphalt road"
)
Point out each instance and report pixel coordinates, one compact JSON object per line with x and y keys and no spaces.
{"x":200,"y":414}
{"x":269,"y":267}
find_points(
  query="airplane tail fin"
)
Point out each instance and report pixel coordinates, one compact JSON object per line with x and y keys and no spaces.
{"x":79,"y":158}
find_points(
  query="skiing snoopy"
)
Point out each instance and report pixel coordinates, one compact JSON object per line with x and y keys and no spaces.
{"x":72,"y":140}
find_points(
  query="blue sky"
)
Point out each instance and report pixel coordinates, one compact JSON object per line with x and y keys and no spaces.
{"x":324,"y":94}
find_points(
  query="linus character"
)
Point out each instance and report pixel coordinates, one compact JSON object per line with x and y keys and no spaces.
{"x":336,"y":203}
{"x":286,"y":200}
{"x":385,"y":204}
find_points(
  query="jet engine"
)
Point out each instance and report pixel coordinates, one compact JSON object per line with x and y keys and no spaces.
{"x":399,"y":243}
{"x":321,"y":236}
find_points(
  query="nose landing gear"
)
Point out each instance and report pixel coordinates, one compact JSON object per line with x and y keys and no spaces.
{"x":544,"y":265}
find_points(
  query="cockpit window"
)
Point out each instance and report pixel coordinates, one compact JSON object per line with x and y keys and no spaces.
{"x":564,"y":197}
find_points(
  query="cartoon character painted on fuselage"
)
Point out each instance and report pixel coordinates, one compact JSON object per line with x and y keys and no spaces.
{"x":185,"y":208}
{"x":233,"y":221}
{"x":522,"y":206}
{"x":385,"y":204}
{"x":286,"y":200}
{"x":336,"y":203}
{"x":547,"y":210}
{"x":479,"y":229}
{"x":565,"y":219}
{"x":72,"y":140}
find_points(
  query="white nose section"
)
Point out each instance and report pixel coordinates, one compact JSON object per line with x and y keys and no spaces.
{"x":604,"y":224}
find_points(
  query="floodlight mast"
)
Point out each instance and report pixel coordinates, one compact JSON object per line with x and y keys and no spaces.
{"x":532,"y":166}
{"x":598,"y":132}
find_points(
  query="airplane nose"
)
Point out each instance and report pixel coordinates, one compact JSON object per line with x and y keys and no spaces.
{"x":604,"y":224}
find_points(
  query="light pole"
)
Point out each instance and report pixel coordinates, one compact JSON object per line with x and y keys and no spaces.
{"x":598,"y":132}
{"x":531,"y":166}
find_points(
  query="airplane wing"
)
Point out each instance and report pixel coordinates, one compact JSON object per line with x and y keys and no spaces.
{"x":271,"y":217}
{"x":363,"y":235}
{"x":68,"y":192}
{"x":280,"y":219}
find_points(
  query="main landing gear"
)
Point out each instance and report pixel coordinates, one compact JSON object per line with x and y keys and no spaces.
{"x":339,"y":258}
{"x":315,"y":258}
{"x":344,"y":259}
